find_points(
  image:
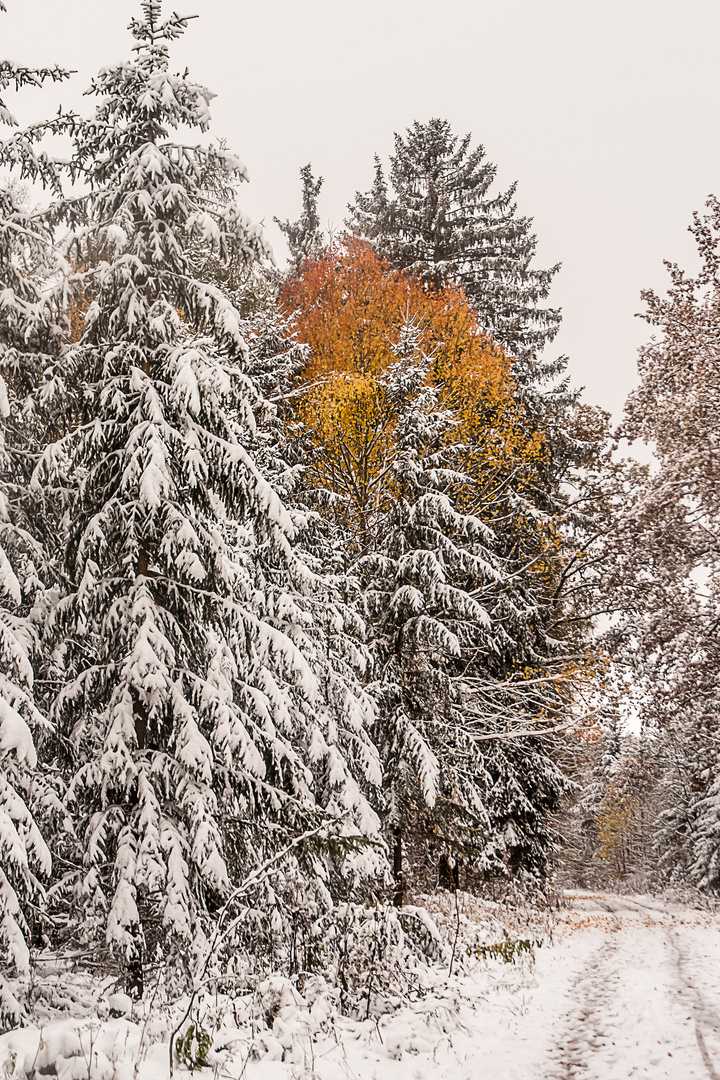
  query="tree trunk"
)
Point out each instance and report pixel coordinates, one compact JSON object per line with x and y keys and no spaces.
{"x":399,"y":892}
{"x":134,"y":976}
{"x":448,"y":873}
{"x":140,"y":711}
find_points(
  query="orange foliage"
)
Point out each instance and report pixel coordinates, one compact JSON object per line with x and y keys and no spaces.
{"x":350,"y":307}
{"x":77,"y":310}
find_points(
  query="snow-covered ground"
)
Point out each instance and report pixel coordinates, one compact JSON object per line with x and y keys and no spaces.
{"x":628,"y":987}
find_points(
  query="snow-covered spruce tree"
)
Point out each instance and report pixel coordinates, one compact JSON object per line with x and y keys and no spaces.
{"x":457,"y":783}
{"x":667,"y":555}
{"x":416,"y":611}
{"x":30,"y":333}
{"x":194,"y":708}
{"x":24,"y":855}
{"x":438,"y":219}
{"x":304,"y":236}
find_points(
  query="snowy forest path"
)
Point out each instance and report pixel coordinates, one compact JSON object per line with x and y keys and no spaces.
{"x":646,"y":1001}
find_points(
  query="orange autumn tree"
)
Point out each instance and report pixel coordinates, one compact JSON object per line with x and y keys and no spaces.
{"x":418,"y":439}
{"x":351,"y":308}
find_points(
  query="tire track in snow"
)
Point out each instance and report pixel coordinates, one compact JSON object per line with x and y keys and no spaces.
{"x":635,"y":1010}
{"x":586,"y":1024}
{"x":705,"y":1017}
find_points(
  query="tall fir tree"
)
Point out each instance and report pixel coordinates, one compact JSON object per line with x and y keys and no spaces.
{"x":437,"y":218}
{"x":195,"y":706}
{"x":435,"y":215}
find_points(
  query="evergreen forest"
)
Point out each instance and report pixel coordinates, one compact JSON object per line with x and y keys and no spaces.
{"x":322,"y":589}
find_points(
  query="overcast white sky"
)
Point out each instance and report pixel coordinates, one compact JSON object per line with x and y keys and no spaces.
{"x":608,"y":115}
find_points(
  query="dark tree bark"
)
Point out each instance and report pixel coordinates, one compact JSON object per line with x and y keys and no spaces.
{"x":398,"y":874}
